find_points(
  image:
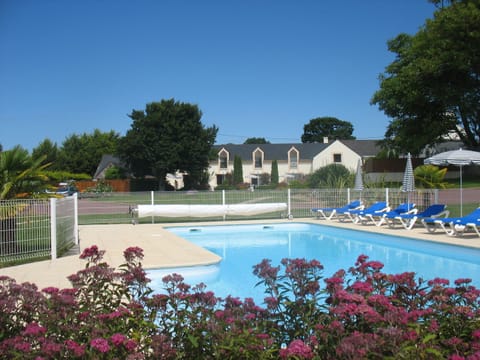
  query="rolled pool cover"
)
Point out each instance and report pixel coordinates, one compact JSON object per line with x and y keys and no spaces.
{"x":208,"y":210}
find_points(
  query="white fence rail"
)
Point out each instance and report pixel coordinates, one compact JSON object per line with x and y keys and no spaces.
{"x":41,"y":229}
{"x":122,"y":207}
{"x":35,"y":229}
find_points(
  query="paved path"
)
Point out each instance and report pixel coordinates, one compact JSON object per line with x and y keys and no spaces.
{"x":164,"y":249}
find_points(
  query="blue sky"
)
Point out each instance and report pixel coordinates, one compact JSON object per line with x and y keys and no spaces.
{"x":255,"y":68}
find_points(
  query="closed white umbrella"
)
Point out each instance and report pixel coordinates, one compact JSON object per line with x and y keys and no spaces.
{"x":358,"y":178}
{"x":408,"y":184}
{"x":459,"y":158}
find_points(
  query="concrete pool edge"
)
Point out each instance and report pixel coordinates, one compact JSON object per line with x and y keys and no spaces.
{"x":164,"y":249}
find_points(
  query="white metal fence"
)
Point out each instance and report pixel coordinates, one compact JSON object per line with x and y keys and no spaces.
{"x":39,"y":229}
{"x":35,"y":229}
{"x":117,"y":207}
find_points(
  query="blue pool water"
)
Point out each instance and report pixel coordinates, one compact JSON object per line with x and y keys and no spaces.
{"x":243,"y":246}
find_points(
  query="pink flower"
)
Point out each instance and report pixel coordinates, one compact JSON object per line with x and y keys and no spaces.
{"x":297,"y":349}
{"x":132,"y":253}
{"x":117,"y":339}
{"x":360,"y":286}
{"x":438,"y":281}
{"x":78,"y":350}
{"x":100,"y":345}
{"x":23,"y":346}
{"x":463,"y":281}
{"x":90,"y":252}
{"x":33,"y":329}
{"x":130,"y":345}
{"x":51,"y":290}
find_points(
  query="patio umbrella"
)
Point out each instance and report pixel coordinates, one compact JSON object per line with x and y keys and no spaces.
{"x":408,"y":184}
{"x":358,"y":178}
{"x":459,"y":158}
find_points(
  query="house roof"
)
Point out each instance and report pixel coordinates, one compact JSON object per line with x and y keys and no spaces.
{"x":273,"y":151}
{"x":107,"y":161}
{"x":364,"y":148}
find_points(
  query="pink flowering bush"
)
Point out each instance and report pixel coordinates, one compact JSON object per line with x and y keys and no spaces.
{"x":358,"y":313}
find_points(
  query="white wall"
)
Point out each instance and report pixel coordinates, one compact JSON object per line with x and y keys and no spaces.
{"x":349,"y":157}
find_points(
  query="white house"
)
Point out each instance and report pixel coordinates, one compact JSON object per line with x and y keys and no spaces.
{"x":294,"y":160}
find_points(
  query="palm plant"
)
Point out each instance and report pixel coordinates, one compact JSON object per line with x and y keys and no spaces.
{"x":430,"y":177}
{"x":20,"y":175}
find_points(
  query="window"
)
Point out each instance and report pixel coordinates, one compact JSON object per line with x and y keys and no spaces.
{"x":337,"y":158}
{"x":293,"y":159}
{"x":258,"y":159}
{"x":221,"y":179}
{"x":223,"y":159}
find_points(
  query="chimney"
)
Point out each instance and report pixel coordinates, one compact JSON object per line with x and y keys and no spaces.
{"x":325,"y":139}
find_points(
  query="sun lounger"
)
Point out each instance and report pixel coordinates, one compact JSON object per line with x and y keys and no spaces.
{"x":331,"y":212}
{"x":454,"y":225}
{"x":408,"y":221}
{"x":402,"y":209}
{"x":356,"y":215}
{"x":461,"y":226}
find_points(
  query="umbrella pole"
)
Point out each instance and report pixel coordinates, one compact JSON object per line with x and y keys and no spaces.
{"x":461,"y":192}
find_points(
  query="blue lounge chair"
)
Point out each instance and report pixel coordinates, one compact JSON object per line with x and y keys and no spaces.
{"x":356,"y":215}
{"x":461,"y":226}
{"x":402,"y":209}
{"x":330,"y":212}
{"x":453,"y":225}
{"x":408,"y":221}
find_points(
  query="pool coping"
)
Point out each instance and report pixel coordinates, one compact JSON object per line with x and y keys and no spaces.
{"x":164,"y":249}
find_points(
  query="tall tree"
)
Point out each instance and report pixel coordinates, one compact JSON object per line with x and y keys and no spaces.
{"x":274,"y":173}
{"x":256,"y":140}
{"x":82,"y":153}
{"x":432,"y":88}
{"x":319,"y":128}
{"x":237,"y":170}
{"x":168,"y":136}
{"x":48,"y":150}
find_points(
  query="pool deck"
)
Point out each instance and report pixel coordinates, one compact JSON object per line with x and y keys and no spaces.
{"x":164,"y":249}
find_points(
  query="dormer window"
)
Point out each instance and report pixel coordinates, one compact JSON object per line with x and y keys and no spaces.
{"x":293,"y":158}
{"x":258,"y":159}
{"x":223,"y":159}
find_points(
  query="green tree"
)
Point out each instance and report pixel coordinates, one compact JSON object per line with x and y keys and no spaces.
{"x":432,"y":88}
{"x":319,"y":128}
{"x":115,"y":172}
{"x":167,"y":137}
{"x":331,"y":176}
{"x":20,"y":174}
{"x":274,"y":173}
{"x":256,"y":140}
{"x":82,"y":153}
{"x":237,"y":170}
{"x":48,"y":150}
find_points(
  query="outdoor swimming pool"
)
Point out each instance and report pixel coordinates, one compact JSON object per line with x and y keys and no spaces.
{"x":243,"y":246}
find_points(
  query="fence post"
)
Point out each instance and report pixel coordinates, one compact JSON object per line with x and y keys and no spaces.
{"x":289,"y":212}
{"x":223,"y":203}
{"x":53,"y":228}
{"x":75,"y":218}
{"x":152,"y":201}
